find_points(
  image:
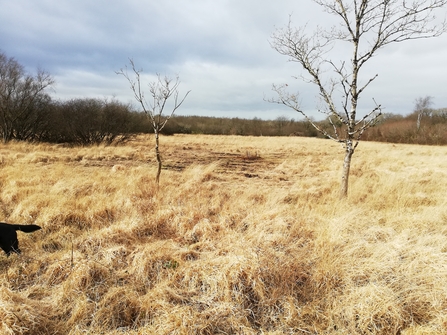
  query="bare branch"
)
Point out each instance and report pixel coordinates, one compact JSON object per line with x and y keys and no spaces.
{"x":368,"y":25}
{"x":160,"y":91}
{"x":19,"y":93}
{"x":291,"y":101}
{"x":368,"y":121}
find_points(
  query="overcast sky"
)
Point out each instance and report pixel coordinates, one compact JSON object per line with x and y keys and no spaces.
{"x":219,"y":48}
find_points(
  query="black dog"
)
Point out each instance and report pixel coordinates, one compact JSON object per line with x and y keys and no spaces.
{"x":8,"y":236}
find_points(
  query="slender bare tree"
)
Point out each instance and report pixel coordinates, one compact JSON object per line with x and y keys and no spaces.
{"x":160,"y":92}
{"x":422,"y":106}
{"x":367,"y":25}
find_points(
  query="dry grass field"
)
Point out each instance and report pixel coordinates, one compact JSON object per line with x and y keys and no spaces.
{"x":245,"y":235}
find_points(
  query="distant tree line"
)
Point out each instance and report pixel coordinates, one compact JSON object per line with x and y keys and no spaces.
{"x":281,"y":126}
{"x":28,"y":113}
{"x":393,"y":128}
{"x":431,"y":129}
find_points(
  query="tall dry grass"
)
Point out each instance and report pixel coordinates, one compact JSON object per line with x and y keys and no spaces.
{"x":243,"y":236}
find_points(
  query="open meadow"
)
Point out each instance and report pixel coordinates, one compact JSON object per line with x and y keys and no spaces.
{"x":245,"y":235}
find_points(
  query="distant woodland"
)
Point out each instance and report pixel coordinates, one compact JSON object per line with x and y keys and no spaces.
{"x":390,"y":128}
{"x":29,"y":113}
{"x":95,"y":121}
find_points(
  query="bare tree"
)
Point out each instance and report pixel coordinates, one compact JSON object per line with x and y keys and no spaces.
{"x":422,"y":106}
{"x":367,"y":25}
{"x":160,"y":92}
{"x":21,"y":96}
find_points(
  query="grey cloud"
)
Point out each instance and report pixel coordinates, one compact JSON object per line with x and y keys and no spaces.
{"x":220,"y":49}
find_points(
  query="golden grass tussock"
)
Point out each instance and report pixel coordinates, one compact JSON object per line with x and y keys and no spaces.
{"x":244,"y":235}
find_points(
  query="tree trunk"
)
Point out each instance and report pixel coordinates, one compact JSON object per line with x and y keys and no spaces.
{"x":349,"y":151}
{"x":157,"y":153}
{"x":418,"y":122}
